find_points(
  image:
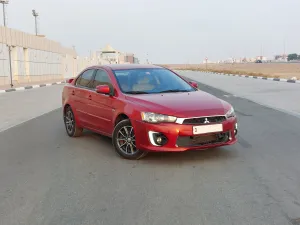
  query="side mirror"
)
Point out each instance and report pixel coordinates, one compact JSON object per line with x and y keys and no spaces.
{"x":103,"y":89}
{"x":69,"y":81}
{"x":194,"y":84}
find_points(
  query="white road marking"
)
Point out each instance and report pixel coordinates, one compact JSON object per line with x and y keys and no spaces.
{"x":20,"y":88}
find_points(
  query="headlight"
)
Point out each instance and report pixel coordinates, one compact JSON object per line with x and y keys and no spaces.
{"x":157,"y":118}
{"x":230,"y":113}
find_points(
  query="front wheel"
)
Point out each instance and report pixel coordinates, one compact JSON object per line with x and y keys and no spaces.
{"x":124,"y":141}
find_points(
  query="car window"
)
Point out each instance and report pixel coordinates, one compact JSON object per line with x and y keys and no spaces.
{"x":101,"y":78}
{"x":85,"y":78}
{"x":150,"y":81}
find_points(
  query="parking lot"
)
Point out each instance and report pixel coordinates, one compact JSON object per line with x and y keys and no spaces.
{"x":48,"y":178}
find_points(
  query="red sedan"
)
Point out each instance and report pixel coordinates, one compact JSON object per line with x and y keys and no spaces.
{"x":146,"y":108}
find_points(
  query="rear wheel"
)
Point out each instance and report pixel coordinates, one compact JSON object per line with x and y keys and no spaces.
{"x":71,"y":127}
{"x":124,"y":141}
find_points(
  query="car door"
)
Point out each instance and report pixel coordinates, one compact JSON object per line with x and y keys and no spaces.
{"x":81,"y":97}
{"x":101,"y":105}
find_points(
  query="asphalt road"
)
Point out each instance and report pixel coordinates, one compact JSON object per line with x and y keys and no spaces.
{"x":283,"y":96}
{"x":47,"y":178}
{"x":21,"y":106}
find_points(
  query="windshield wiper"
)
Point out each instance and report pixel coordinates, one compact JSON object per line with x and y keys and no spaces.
{"x":174,"y":90}
{"x":136,"y":92}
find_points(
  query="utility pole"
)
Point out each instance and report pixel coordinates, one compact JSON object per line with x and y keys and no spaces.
{"x":35,"y":14}
{"x":284,"y":50}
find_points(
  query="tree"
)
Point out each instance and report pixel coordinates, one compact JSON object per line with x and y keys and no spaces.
{"x":293,"y":56}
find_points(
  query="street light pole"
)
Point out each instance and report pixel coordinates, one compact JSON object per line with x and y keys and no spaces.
{"x":35,"y":14}
{"x":4,"y":20}
{"x":3,"y":2}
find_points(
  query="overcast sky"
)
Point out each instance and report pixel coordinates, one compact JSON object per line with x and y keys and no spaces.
{"x":170,"y":31}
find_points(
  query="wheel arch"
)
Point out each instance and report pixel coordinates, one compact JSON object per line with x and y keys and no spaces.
{"x":120,"y":117}
{"x":65,"y":107}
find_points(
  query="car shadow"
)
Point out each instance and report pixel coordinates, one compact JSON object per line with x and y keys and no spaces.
{"x":219,"y":154}
{"x":213,"y":154}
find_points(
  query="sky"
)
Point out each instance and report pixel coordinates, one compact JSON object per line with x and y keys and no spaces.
{"x":166,"y":31}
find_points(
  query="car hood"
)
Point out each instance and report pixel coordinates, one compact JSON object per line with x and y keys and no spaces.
{"x":181,"y":104}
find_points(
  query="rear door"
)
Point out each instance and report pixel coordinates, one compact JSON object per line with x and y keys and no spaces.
{"x":101,"y":105}
{"x":81,"y":93}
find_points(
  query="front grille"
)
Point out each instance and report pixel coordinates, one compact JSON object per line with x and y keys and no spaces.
{"x":203,"y":120}
{"x":208,"y":139}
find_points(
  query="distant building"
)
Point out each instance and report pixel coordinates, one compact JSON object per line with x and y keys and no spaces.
{"x":109,"y":54}
{"x":136,"y":60}
{"x":129,"y":58}
{"x":263,"y":58}
{"x":282,"y":57}
{"x":121,"y":58}
{"x":116,"y":57}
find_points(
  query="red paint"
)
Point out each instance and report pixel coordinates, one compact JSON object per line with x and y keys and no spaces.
{"x":194,"y":84}
{"x":70,"y":80}
{"x":103,"y":89}
{"x":99,"y":109}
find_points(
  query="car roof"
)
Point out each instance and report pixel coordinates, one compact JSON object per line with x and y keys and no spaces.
{"x":131,"y":66}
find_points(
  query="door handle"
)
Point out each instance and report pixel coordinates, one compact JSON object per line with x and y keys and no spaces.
{"x":90,"y":97}
{"x":73,"y":92}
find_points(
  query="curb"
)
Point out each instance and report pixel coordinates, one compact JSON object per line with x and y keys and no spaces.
{"x":262,"y":78}
{"x":30,"y":87}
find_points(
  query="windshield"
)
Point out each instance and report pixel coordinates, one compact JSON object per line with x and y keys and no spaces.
{"x":149,"y":81}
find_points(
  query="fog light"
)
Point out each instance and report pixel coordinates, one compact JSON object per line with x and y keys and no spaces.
{"x":236,"y":129}
{"x":157,"y":139}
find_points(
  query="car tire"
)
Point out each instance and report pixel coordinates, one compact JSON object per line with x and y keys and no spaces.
{"x":70,"y":124}
{"x":123,"y":140}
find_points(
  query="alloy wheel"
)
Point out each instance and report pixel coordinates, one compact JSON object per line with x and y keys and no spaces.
{"x":126,"y":140}
{"x":69,"y":121}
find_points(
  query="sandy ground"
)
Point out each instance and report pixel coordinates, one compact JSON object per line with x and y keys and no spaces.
{"x":280,"y":70}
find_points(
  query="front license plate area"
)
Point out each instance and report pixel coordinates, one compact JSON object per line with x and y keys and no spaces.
{"x":205,"y":129}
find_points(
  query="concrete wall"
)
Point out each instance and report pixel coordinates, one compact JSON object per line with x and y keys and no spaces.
{"x":37,"y":59}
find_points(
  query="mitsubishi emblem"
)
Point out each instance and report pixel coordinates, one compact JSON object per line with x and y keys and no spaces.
{"x":206,"y":120}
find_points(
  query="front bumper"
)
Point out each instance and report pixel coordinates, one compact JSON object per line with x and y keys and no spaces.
{"x":179,"y":136}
